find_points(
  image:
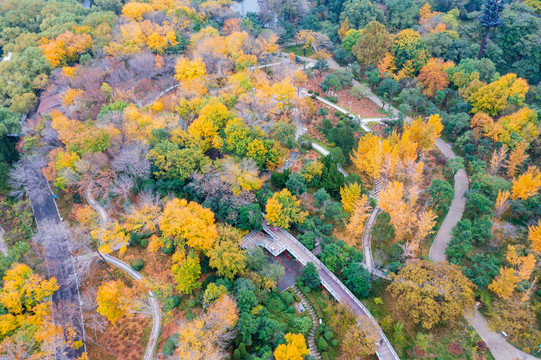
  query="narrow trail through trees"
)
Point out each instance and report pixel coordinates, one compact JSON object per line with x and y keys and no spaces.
{"x":498,"y":346}
{"x":156,"y":315}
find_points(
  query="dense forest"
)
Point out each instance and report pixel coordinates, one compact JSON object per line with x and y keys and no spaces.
{"x":396,"y":143}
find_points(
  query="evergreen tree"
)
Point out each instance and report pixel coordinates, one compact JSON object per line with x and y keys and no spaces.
{"x":490,"y":18}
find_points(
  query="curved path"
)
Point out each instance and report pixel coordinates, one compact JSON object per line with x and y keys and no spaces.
{"x":499,"y":347}
{"x":156,"y":315}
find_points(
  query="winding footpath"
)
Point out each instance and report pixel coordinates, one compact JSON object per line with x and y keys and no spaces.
{"x":156,"y":315}
{"x":498,"y":346}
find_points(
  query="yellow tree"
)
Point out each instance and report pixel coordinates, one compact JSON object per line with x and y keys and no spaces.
{"x":391,"y":200}
{"x":294,"y":349}
{"x":228,"y":258}
{"x":361,"y":339}
{"x":433,"y":75}
{"x":113,"y":300}
{"x":283,"y":208}
{"x":350,"y":194}
{"x":430,"y":293}
{"x":111,"y":237}
{"x":502,"y":203}
{"x":202,"y":338}
{"x":425,"y":226}
{"x":516,"y":158}
{"x":526,"y":185}
{"x":306,"y":38}
{"x":367,"y":158}
{"x":504,"y":284}
{"x":425,"y":133}
{"x":534,"y":236}
{"x":357,"y":220}
{"x":186,"y":270}
{"x":189,"y":222}
{"x":344,"y":28}
{"x":497,"y":160}
{"x":494,"y":97}
{"x":191,"y":73}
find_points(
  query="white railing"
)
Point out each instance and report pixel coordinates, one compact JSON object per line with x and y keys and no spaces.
{"x":342,"y":286}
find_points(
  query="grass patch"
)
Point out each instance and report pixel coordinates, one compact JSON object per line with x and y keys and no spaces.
{"x":298,"y":50}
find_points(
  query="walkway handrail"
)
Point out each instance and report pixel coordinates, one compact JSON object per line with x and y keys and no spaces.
{"x":346,"y":290}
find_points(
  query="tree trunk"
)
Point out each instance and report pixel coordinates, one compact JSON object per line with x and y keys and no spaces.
{"x":483,"y":44}
{"x":107,"y":268}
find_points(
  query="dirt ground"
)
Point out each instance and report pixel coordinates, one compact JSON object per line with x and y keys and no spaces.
{"x":363,"y":107}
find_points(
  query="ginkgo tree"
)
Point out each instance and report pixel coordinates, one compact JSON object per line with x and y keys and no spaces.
{"x":188,"y":222}
{"x":283,"y":209}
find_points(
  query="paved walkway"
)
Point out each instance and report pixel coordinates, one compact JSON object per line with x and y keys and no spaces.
{"x":156,"y":314}
{"x":58,"y":257}
{"x":333,"y":285}
{"x":499,"y":347}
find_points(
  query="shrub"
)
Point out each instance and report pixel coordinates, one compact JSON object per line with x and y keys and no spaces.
{"x":236,"y":354}
{"x":322,"y":344}
{"x":329,"y":335}
{"x":137,"y":264}
{"x":338,"y":113}
{"x":334,"y":342}
{"x":323,"y":112}
{"x":316,"y":93}
{"x":290,"y":299}
{"x":291,"y":309}
{"x":171,"y":302}
{"x":144,"y":243}
{"x":135,"y":238}
{"x":168,"y":348}
{"x":328,"y":328}
{"x":333,"y":99}
{"x":168,"y":247}
{"x":242,"y":349}
{"x":325,"y":356}
{"x":310,"y":91}
{"x":313,"y":97}
{"x":190,"y":316}
{"x":192,"y":303}
{"x":326,"y":124}
{"x":300,"y":284}
{"x":307,"y":289}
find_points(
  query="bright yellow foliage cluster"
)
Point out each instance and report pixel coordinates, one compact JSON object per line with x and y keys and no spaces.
{"x":283,"y":208}
{"x":494,"y":97}
{"x":189,"y":222}
{"x":294,"y":349}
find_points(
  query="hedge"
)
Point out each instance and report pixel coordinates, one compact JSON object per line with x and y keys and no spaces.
{"x":137,"y":264}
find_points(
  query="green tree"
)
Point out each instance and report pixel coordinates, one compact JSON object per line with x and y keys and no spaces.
{"x":442,"y":193}
{"x":490,"y":18}
{"x":478,"y":205}
{"x":296,"y":184}
{"x":310,"y":276}
{"x":357,"y":279}
{"x":360,"y":13}
{"x":284,"y":132}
